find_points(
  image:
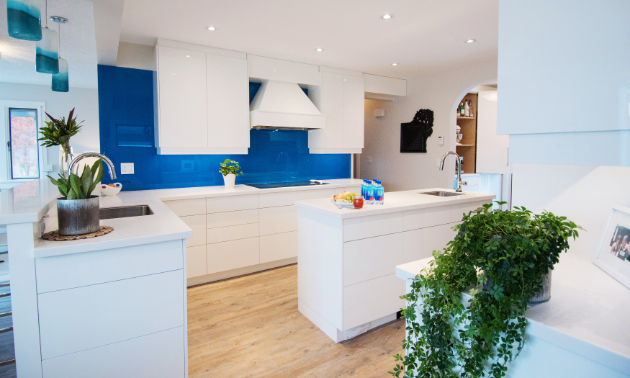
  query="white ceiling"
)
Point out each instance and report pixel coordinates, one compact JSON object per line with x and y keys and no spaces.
{"x":422,"y":37}
{"x":78,"y":47}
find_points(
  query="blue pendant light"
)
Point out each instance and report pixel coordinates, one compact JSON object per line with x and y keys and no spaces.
{"x":60,"y":81}
{"x":47,"y":50}
{"x":23,"y":19}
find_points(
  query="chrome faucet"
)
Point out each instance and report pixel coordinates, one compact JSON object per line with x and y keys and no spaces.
{"x":79,"y":157}
{"x":459,"y":170}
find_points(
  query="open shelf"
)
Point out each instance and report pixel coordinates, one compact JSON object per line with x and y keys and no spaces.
{"x":459,"y":117}
{"x":464,"y":145}
{"x":468,"y":149}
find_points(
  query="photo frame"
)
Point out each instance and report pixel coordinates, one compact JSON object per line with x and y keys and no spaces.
{"x":613,"y":256}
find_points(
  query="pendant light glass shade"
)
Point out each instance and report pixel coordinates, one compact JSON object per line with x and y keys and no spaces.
{"x":47,"y":52}
{"x":60,"y":82}
{"x":23,"y":19}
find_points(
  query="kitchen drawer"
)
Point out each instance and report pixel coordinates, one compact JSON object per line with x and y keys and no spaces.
{"x":184,"y":208}
{"x":367,"y":259}
{"x":223,"y":234}
{"x":429,"y":217}
{"x":420,"y":244}
{"x":370,"y":300}
{"x":92,"y":316}
{"x":198,"y":225}
{"x":369,"y":227}
{"x":158,"y":355}
{"x":274,"y":220}
{"x":90,"y":268}
{"x":278,"y":247}
{"x":232,"y":218}
{"x":289,"y":198}
{"x":233,"y":254}
{"x":195,"y":261}
{"x":458,"y":211}
{"x":234,"y":203}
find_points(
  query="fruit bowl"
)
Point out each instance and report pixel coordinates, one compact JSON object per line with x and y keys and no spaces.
{"x":109,"y":190}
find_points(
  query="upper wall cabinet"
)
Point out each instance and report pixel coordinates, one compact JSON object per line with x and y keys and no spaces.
{"x":261,"y":68}
{"x":384,"y":88}
{"x":339,"y":96}
{"x":202,"y":100}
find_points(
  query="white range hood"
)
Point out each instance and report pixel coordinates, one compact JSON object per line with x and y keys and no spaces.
{"x":282,"y":105}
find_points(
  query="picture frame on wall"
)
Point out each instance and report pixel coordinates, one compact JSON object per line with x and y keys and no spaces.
{"x":613,"y":256}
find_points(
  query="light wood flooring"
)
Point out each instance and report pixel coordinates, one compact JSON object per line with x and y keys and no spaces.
{"x":251,"y":327}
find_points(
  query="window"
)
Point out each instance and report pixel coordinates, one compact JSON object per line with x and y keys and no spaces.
{"x":24,"y":158}
{"x":22,"y":144}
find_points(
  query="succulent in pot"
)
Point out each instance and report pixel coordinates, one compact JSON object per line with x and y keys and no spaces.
{"x":230,"y":169}
{"x":78,"y":209}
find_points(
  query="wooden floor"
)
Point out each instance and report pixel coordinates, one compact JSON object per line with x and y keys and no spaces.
{"x":251,"y":327}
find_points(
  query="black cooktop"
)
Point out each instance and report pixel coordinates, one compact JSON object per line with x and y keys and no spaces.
{"x":270,"y":185}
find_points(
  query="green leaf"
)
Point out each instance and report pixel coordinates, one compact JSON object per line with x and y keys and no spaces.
{"x":75,"y":183}
{"x":86,"y":181}
{"x":99,"y":175}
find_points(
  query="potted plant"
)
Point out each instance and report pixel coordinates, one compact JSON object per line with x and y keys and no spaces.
{"x":58,"y":133}
{"x":503,"y":256}
{"x":78,"y":209}
{"x":230,"y":169}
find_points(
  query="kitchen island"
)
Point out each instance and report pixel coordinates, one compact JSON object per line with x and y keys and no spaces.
{"x":347,"y":258}
{"x":115,"y":305}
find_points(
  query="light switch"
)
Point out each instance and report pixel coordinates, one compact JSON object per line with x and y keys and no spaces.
{"x":126,"y":169}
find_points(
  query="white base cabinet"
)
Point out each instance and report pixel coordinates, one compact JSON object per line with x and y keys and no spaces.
{"x":347,"y":267}
{"x":241,"y":234}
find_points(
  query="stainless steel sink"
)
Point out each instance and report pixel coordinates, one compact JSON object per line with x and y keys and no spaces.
{"x":124,"y":211}
{"x":443,"y":194}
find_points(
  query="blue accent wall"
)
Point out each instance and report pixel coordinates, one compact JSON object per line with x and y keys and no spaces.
{"x":126,"y":131}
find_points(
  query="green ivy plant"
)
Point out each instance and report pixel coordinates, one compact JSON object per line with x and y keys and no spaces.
{"x":59,"y":131}
{"x":230,"y":166}
{"x":501,"y":257}
{"x":76,"y":187}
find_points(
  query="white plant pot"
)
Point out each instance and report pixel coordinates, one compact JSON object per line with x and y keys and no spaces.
{"x":229,"y":180}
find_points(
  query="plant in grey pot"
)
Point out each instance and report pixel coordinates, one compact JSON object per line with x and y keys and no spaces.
{"x":78,"y":209}
{"x":230,"y":169}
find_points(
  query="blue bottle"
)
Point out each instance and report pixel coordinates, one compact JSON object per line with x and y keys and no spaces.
{"x":379,"y":193}
{"x":369,"y":193}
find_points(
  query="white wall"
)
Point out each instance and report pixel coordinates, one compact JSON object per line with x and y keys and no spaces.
{"x":59,"y":104}
{"x":440,"y":92}
{"x":584,"y":194}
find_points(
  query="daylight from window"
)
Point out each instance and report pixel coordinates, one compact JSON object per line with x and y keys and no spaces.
{"x":23,"y":144}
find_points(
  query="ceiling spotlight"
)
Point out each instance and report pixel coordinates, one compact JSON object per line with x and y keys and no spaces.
{"x":211,"y":28}
{"x":471,"y":41}
{"x":387,"y":16}
{"x":394,"y":64}
{"x":187,"y":56}
{"x":319,"y":49}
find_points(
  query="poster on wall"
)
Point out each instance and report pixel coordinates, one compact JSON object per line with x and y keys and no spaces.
{"x":614,"y":252}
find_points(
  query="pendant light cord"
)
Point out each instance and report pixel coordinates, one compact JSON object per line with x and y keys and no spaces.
{"x":47,"y":13}
{"x":59,"y":47}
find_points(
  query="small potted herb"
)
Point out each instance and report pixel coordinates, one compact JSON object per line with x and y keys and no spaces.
{"x":230,"y":169}
{"x":58,"y":133}
{"x":78,"y":209}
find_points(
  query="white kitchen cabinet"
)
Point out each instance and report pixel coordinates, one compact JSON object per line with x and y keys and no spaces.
{"x":492,"y":149}
{"x":233,"y":254}
{"x":262,"y":68}
{"x":183,"y":121}
{"x":196,"y":261}
{"x":275,"y":220}
{"x":384,"y":88}
{"x":228,"y":104}
{"x":187,"y":207}
{"x":202,"y":103}
{"x":339,"y":97}
{"x":278,"y":246}
{"x":198,"y":225}
{"x":235,"y":203}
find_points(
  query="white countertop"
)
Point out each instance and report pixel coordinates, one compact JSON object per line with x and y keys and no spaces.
{"x":394,"y":202}
{"x":588,"y":312}
{"x":35,"y":200}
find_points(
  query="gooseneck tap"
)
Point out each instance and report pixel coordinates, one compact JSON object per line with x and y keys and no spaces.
{"x":459,"y":169}
{"x":79,"y":157}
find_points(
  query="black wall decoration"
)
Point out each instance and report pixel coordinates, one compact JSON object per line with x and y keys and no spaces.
{"x":413,"y":135}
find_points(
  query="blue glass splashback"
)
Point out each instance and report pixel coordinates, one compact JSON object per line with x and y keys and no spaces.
{"x":126,"y":131}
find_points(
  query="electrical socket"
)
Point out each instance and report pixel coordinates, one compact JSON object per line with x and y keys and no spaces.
{"x":126,"y":169}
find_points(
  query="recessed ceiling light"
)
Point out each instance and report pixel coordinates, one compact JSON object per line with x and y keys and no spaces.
{"x":187,"y":56}
{"x":387,"y":16}
{"x":211,"y":28}
{"x":319,"y":49}
{"x":471,"y":40}
{"x":394,"y":64}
